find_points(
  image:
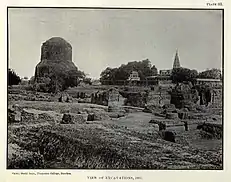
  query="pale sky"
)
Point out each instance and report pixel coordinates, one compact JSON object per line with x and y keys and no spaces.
{"x":103,"y":38}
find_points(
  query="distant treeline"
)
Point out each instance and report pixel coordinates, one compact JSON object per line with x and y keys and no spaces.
{"x":118,"y":76}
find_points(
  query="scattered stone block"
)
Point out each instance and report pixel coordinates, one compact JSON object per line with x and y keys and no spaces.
{"x":65,"y":98}
{"x":116,"y":114}
{"x":186,"y":125}
{"x":29,"y":115}
{"x":168,"y":135}
{"x":171,"y":116}
{"x":153,"y":121}
{"x":72,"y":118}
{"x":67,"y":119}
{"x":183,"y":115}
{"x":90,"y":117}
{"x":16,"y":107}
{"x":147,"y":110}
{"x":169,"y":107}
{"x":101,"y":116}
{"x":160,"y":114}
{"x":14,"y":116}
{"x":161,"y":124}
{"x":131,"y":109}
{"x":46,"y":117}
{"x":98,"y":116}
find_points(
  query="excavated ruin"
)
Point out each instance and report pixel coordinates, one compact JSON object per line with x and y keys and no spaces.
{"x":56,"y":64}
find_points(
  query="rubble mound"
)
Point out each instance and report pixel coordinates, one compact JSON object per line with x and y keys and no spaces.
{"x":56,"y":64}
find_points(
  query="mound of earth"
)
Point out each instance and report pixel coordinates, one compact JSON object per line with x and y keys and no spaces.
{"x":56,"y":67}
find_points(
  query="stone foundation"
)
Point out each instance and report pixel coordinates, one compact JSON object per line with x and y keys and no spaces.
{"x":72,"y":118}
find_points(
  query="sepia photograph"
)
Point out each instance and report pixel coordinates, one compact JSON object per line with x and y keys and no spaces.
{"x":115,"y":88}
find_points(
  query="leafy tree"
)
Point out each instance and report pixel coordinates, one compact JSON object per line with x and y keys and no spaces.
{"x":72,"y":78}
{"x":13,"y":78}
{"x":58,"y":81}
{"x":87,"y":80}
{"x":107,"y":77}
{"x":211,"y":73}
{"x":116,"y":75}
{"x":183,"y":74}
{"x":63,"y":80}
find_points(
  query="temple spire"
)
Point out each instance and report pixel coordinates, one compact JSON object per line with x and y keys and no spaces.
{"x":176,"y":63}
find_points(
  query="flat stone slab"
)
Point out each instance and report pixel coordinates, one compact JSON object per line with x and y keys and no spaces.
{"x":72,"y":118}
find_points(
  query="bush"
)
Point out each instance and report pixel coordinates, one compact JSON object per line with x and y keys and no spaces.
{"x":41,"y":87}
{"x":58,"y":81}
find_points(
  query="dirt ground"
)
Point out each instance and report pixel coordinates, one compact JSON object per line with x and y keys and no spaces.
{"x":127,"y":142}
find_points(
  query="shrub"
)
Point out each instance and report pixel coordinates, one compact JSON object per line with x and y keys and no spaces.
{"x":41,"y":87}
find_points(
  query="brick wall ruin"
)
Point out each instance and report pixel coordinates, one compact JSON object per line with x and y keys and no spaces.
{"x":158,"y":98}
{"x":100,"y":98}
{"x":183,"y":94}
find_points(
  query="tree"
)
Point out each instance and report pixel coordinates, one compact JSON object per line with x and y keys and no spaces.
{"x":58,"y":81}
{"x":13,"y":78}
{"x":183,"y":74}
{"x":72,"y":78}
{"x":111,"y":76}
{"x":154,"y":70}
{"x":63,"y":80}
{"x":107,"y":77}
{"x":87,"y":81}
{"x":211,"y":73}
